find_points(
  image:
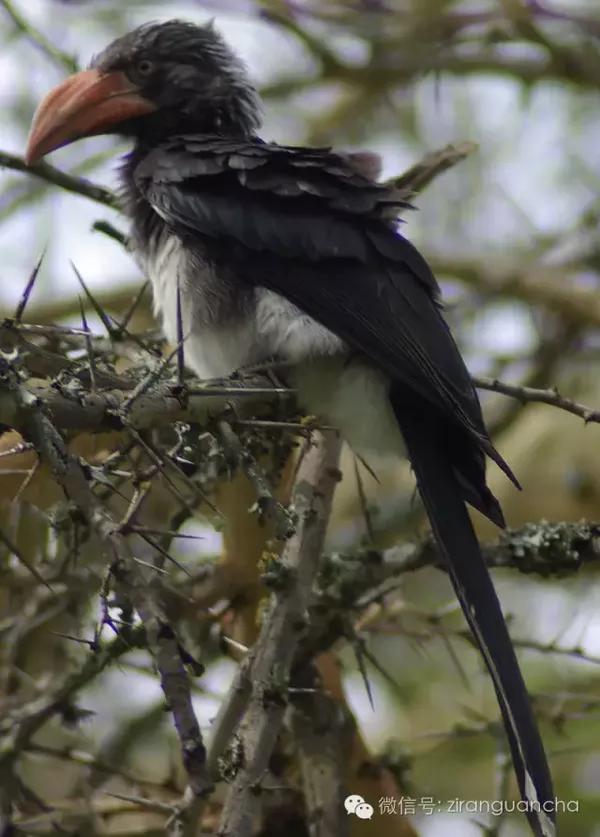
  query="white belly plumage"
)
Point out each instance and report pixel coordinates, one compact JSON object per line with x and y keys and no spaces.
{"x":344,"y":391}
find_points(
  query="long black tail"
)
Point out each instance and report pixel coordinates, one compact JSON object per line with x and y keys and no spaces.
{"x":453,"y":530}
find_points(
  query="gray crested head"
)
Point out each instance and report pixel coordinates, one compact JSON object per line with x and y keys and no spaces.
{"x":190,"y":73}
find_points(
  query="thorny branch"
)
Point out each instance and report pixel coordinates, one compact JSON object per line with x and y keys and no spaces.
{"x":540,"y":396}
{"x":118,"y":401}
{"x":363,"y":578}
{"x":70,"y":475}
{"x":68,"y":182}
{"x":414,"y":180}
{"x":269,"y":664}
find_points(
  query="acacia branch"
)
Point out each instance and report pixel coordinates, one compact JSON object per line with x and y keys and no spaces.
{"x":68,"y":182}
{"x":542,"y":396}
{"x":79,"y":410}
{"x":423,"y":172}
{"x":70,"y":475}
{"x":414,"y":180}
{"x":270,"y":661}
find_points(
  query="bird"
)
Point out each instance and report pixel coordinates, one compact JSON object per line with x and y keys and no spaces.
{"x":257,"y":250}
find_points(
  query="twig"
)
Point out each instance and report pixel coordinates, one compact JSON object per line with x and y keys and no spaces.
{"x":148,"y":380}
{"x":61,"y":58}
{"x":132,"y":308}
{"x":68,"y":182}
{"x":317,"y":46}
{"x":140,"y":493}
{"x":419,"y":176}
{"x":95,"y":305}
{"x":364,"y":505}
{"x":542,"y":396}
{"x":34,"y":715}
{"x":89,"y":349}
{"x":266,"y":504}
{"x":144,"y":802}
{"x":297,"y":427}
{"x":162,"y":551}
{"x":180,"y":339}
{"x":22,"y":560}
{"x":27,"y":481}
{"x":367,"y":577}
{"x":170,"y":533}
{"x":21,"y":447}
{"x":106,"y":228}
{"x":89,"y":761}
{"x":544,"y":363}
{"x":28,"y":289}
{"x":104,"y":410}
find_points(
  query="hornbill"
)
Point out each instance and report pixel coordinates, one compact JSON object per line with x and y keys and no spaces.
{"x":294,"y":253}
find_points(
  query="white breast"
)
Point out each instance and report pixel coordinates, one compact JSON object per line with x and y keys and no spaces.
{"x":349,"y":393}
{"x":212,"y":351}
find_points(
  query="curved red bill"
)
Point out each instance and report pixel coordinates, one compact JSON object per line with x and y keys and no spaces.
{"x":85,"y":104}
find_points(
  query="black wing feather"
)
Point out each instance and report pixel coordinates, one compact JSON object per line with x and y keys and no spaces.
{"x":471,"y":581}
{"x":330,"y":264}
{"x":307,"y":224}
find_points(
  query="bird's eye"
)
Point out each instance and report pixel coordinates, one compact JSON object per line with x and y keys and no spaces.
{"x":144,"y":67}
